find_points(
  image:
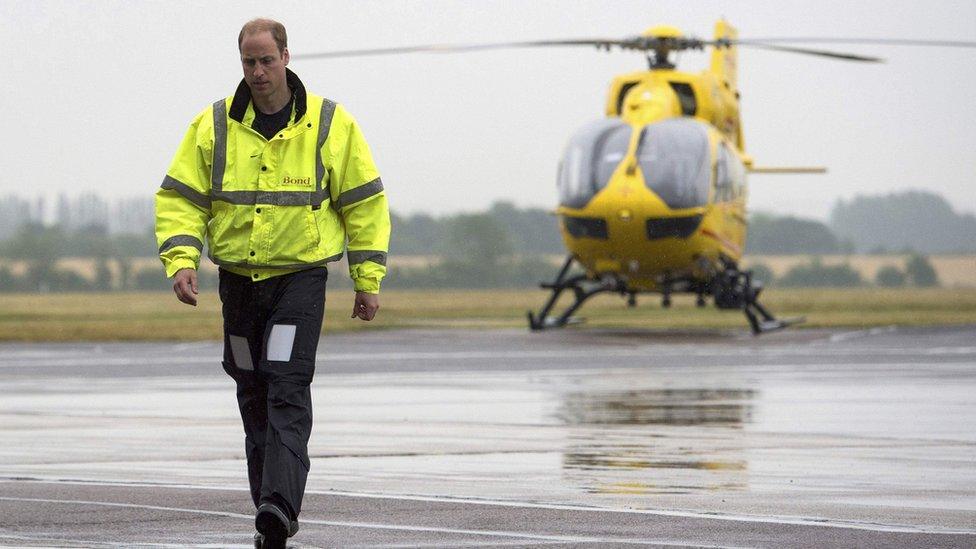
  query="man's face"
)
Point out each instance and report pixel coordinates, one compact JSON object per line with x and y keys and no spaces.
{"x":264,"y":66}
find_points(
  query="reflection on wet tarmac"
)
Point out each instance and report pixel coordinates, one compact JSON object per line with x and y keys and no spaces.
{"x":683,"y":407}
{"x":638,"y":489}
{"x":663,"y":466}
{"x":599,"y":461}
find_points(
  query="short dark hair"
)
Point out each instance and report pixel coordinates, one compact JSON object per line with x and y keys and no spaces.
{"x":262,"y":24}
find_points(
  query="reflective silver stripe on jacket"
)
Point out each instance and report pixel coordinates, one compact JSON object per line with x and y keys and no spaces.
{"x":361,"y":192}
{"x":181,"y":240}
{"x":186,"y":191}
{"x":325,"y":122}
{"x":359,"y":256}
{"x":220,"y":146}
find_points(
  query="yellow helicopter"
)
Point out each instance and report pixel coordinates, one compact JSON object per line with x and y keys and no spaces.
{"x":652,"y":198}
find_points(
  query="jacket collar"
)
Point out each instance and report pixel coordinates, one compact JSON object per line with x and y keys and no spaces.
{"x":242,"y":97}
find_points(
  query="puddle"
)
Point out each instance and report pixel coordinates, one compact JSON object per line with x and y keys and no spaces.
{"x":636,"y":488}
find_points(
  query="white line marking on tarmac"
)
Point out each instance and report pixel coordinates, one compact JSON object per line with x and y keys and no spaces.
{"x":227,"y":514}
{"x":522,"y":543}
{"x":772,"y":519}
{"x":366,"y":525}
{"x":51,"y":537}
{"x":665,"y":513}
{"x":519,"y":543}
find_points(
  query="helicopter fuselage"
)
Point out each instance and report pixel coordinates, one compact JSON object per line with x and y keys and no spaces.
{"x":663,"y":206}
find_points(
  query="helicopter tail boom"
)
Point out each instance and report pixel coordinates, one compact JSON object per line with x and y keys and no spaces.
{"x":787,"y":169}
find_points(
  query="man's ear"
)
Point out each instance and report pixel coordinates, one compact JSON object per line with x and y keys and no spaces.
{"x":285,"y":56}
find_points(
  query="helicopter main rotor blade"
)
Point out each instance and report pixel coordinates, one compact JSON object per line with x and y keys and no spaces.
{"x":808,"y":51}
{"x":648,"y":43}
{"x":776,"y":44}
{"x":880,"y":41}
{"x":600,"y":43}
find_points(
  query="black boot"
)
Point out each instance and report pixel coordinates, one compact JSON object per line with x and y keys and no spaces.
{"x":274,"y":524}
{"x":259,"y":537}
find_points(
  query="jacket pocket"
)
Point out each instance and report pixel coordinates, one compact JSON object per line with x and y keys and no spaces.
{"x":312,"y":232}
{"x":293,"y":238}
{"x":217,"y":229}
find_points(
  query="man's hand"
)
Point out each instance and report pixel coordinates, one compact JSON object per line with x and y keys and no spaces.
{"x":185,"y":286}
{"x":365,"y":306}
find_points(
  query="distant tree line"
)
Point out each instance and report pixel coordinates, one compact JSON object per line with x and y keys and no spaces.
{"x":514,"y":230}
{"x":41,"y":246}
{"x":912,"y":221}
{"x":506,"y":246}
{"x":497,"y":248}
{"x":785,"y":235}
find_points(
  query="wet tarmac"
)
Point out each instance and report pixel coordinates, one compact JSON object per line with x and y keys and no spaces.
{"x":581,"y":438}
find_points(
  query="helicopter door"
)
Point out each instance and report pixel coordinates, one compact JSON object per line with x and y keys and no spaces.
{"x":591,"y":157}
{"x":675,"y":159}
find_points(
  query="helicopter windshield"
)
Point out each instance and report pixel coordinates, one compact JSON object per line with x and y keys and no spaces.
{"x":591,"y":157}
{"x":674,"y":158}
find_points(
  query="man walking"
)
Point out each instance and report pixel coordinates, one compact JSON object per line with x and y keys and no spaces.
{"x":278,"y":181}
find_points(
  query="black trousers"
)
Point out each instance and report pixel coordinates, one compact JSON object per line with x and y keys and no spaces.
{"x":271,"y":333}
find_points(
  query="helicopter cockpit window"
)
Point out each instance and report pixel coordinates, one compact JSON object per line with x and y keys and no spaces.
{"x":730,"y":175}
{"x":675,"y":160}
{"x":590,"y":160}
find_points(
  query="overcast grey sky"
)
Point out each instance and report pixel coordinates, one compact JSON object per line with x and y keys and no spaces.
{"x":98,"y":94}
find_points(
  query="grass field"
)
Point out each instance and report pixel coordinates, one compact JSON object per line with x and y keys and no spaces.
{"x":158,"y":316}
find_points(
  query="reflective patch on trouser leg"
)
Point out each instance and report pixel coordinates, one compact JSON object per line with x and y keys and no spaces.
{"x":241,"y":352}
{"x":280,"y":342}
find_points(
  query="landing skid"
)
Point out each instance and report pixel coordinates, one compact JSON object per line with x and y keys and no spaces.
{"x":582,"y":288}
{"x":735,"y":289}
{"x":731,"y":289}
{"x":764,"y":321}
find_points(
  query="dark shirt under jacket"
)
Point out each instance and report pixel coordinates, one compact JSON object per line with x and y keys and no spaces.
{"x":270,"y":124}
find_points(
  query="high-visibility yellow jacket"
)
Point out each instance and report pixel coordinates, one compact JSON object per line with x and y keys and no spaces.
{"x":268,"y":207}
